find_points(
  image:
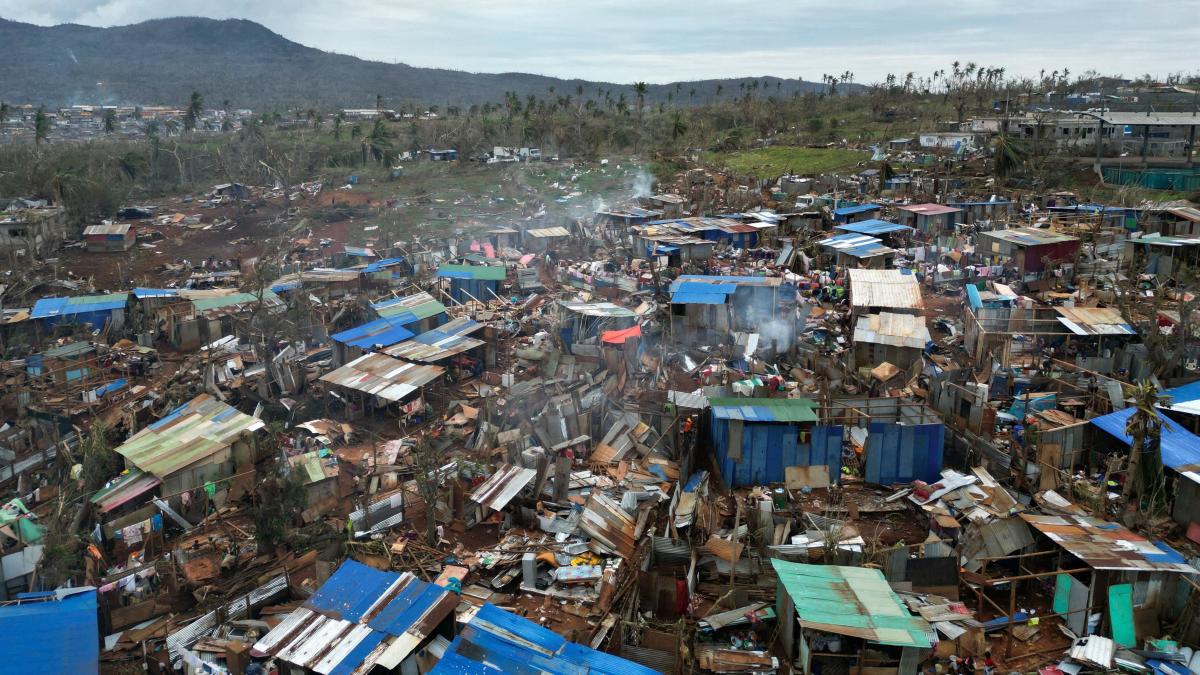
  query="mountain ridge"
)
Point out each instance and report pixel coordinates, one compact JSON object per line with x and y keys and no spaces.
{"x":161,"y":61}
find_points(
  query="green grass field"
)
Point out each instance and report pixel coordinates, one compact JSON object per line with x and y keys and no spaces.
{"x":776,"y":161}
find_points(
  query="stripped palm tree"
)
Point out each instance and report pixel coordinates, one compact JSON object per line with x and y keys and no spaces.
{"x":1145,"y":482}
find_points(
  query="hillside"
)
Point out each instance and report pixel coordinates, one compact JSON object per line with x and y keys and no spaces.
{"x":163,"y":61}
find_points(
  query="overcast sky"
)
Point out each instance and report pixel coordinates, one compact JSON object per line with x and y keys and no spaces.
{"x":669,"y":40}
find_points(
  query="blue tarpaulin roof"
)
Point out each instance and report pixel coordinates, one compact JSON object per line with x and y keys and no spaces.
{"x":385,"y":332}
{"x":47,"y":634}
{"x":874,"y":226}
{"x":496,"y":641}
{"x":286,"y":286}
{"x":1185,"y":394}
{"x":1180,"y":448}
{"x":710,"y":280}
{"x":859,"y":208}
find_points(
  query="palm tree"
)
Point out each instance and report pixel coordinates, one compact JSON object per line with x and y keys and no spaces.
{"x":1008,"y":155}
{"x":640,"y":88}
{"x":679,"y":126}
{"x":4,"y":110}
{"x":194,"y":110}
{"x":338,"y":120}
{"x":378,"y":143}
{"x":110,"y":120}
{"x":1144,"y":480}
{"x":41,"y":126}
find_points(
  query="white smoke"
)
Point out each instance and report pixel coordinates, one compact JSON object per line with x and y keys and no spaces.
{"x":71,"y":54}
{"x":643,"y":184}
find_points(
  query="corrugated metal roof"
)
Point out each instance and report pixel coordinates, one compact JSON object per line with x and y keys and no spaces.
{"x":596,"y":308}
{"x":380,"y":265}
{"x":1159,"y":240}
{"x":217,"y":301}
{"x":1094,"y":321}
{"x":142,"y":293}
{"x":858,"y":208}
{"x":1108,"y":546}
{"x":1186,"y":213}
{"x":884,"y":288}
{"x":123,"y":490}
{"x":57,"y":632}
{"x":192,"y":432}
{"x":104,"y":230}
{"x":764,"y":409}
{"x":856,"y":245}
{"x":699,"y":299}
{"x":897,"y":330}
{"x":484,"y":272}
{"x":360,"y":251}
{"x":410,"y":308}
{"x":440,"y":343}
{"x":383,"y":376}
{"x":852,"y":601}
{"x":723,"y":279}
{"x":70,"y":349}
{"x":1180,"y":448}
{"x":928,"y":209}
{"x":496,"y":641}
{"x":1029,"y":236}
{"x":874,"y":226}
{"x":500,"y":488}
{"x":359,"y":618}
{"x":549,"y":232}
{"x":80,"y":304}
{"x":378,"y":333}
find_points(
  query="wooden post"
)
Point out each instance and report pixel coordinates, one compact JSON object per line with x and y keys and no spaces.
{"x":1012,"y":611}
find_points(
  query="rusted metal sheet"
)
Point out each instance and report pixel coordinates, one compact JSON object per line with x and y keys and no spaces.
{"x":609,"y":525}
{"x":1108,"y":546}
{"x":383,"y":376}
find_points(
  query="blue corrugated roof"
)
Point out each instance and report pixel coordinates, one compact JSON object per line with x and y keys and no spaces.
{"x":379,"y":265}
{"x":386,"y":332}
{"x":1180,"y":448}
{"x":701,"y":287}
{"x":1184,"y":394}
{"x":141,"y":293}
{"x":860,"y":208}
{"x":684,"y":298}
{"x":496,"y":641}
{"x":286,"y":286}
{"x":874,"y":226}
{"x":51,"y":635}
{"x":350,"y":591}
{"x":48,"y":307}
{"x":710,"y":280}
{"x":973,"y":297}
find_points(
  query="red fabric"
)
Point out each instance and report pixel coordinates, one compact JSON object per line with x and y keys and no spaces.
{"x":618,"y":337}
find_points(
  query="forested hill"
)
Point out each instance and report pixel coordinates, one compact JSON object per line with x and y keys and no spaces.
{"x":161,"y":62}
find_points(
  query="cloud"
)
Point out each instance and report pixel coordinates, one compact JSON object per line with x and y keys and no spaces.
{"x":668,"y":40}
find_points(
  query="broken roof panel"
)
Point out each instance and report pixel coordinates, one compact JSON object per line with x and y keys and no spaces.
{"x":191,"y":433}
{"x":891,"y":289}
{"x":383,"y":376}
{"x":501,"y":487}
{"x":440,"y":343}
{"x":1108,"y":546}
{"x":724,"y":279}
{"x":1029,"y":236}
{"x":496,"y":642}
{"x":852,"y":601}
{"x":1094,"y":321}
{"x":123,"y":490}
{"x":409,"y":308}
{"x":764,"y":409}
{"x":549,"y":232}
{"x":897,"y":330}
{"x":359,"y":618}
{"x":856,"y":245}
{"x":106,"y":229}
{"x":596,"y":308}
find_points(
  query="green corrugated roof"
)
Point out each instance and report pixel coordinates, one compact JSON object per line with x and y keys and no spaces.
{"x":485,"y":272}
{"x":765,"y":409}
{"x":69,"y":349}
{"x":853,"y":601}
{"x":97,"y":299}
{"x":193,"y":432}
{"x":217,"y":302}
